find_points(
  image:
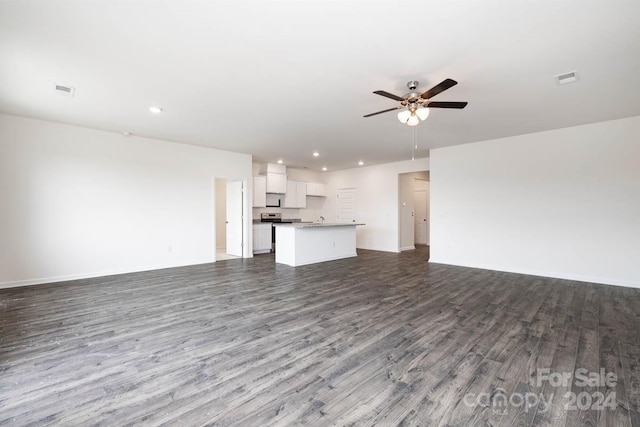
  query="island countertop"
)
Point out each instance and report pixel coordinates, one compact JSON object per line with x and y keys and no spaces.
{"x":311,"y":242}
{"x":316,"y":224}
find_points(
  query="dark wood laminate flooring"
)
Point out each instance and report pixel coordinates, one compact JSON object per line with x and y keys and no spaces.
{"x":382,"y":339}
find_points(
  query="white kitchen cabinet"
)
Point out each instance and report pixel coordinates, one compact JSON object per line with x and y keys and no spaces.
{"x":276,"y":183}
{"x":276,"y":177}
{"x":273,"y":168}
{"x":315,"y":189}
{"x":259,"y":191}
{"x":261,"y":238}
{"x":296,"y":195}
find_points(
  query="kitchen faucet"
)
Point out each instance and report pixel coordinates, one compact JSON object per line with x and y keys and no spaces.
{"x":322,"y":220}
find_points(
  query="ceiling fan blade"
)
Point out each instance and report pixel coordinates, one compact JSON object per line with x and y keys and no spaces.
{"x":383,"y":111}
{"x":439,"y":88}
{"x":388,"y":95}
{"x":445,"y":104}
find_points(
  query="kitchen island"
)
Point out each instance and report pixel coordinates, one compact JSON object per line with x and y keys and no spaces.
{"x":309,"y":243}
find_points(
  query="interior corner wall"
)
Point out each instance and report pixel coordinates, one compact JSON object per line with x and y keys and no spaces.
{"x":78,"y":202}
{"x":562,"y":203}
{"x":377,"y":201}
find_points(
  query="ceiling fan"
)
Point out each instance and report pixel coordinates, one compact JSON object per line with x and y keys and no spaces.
{"x":414,"y":106}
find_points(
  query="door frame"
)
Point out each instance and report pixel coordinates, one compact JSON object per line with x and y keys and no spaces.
{"x":247,"y":203}
{"x":406,"y":188}
{"x":231,"y":238}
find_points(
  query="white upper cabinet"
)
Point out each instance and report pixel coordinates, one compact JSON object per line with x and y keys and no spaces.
{"x":296,"y":195}
{"x":273,"y":168}
{"x":259,"y":191}
{"x":318,"y":190}
{"x":276,"y":183}
{"x":276,"y":177}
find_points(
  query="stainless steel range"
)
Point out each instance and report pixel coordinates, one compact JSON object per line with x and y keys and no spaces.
{"x":271,"y":217}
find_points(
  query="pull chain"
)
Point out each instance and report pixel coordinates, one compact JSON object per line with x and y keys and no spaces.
{"x":414,"y":142}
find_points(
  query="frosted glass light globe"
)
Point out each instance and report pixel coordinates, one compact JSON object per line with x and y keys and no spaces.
{"x":413,"y":120}
{"x":422,"y":113}
{"x":404,"y":115}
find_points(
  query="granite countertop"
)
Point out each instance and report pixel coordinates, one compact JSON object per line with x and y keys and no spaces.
{"x":259,"y":221}
{"x":316,"y":224}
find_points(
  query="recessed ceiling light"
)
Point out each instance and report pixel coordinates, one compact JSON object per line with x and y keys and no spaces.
{"x":126,"y":133}
{"x":360,"y":163}
{"x":316,"y":154}
{"x":324,"y":168}
{"x":280,"y":162}
{"x":155,"y":110}
{"x":566,"y":78}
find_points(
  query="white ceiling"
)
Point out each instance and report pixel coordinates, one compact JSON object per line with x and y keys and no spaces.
{"x":280,"y":79}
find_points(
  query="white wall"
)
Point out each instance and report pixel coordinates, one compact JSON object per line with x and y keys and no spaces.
{"x":79,"y":202}
{"x":562,"y":203}
{"x":377,"y":191}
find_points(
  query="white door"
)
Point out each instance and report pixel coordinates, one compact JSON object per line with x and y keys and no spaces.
{"x":421,"y":218}
{"x":234,"y":218}
{"x":346,"y":205}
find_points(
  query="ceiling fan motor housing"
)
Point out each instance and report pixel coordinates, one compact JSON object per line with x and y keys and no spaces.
{"x":413,"y":85}
{"x":412,"y":96}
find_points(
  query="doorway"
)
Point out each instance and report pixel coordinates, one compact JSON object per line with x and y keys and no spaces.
{"x":228,"y":219}
{"x":413,"y":214}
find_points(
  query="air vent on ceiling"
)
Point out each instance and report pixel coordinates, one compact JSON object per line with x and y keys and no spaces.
{"x":65,"y":90}
{"x":566,"y":78}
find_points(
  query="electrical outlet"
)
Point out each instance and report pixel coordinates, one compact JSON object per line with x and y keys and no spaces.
{"x":169,"y":249}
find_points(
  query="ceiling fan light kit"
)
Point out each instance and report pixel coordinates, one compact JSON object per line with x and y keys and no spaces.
{"x":414,"y":106}
{"x":410,"y":115}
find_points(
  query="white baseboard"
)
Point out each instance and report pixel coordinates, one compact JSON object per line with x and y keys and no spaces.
{"x":319,"y":260}
{"x":370,"y":248}
{"x":554,"y":275}
{"x":407,"y":248}
{"x":67,"y":278}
